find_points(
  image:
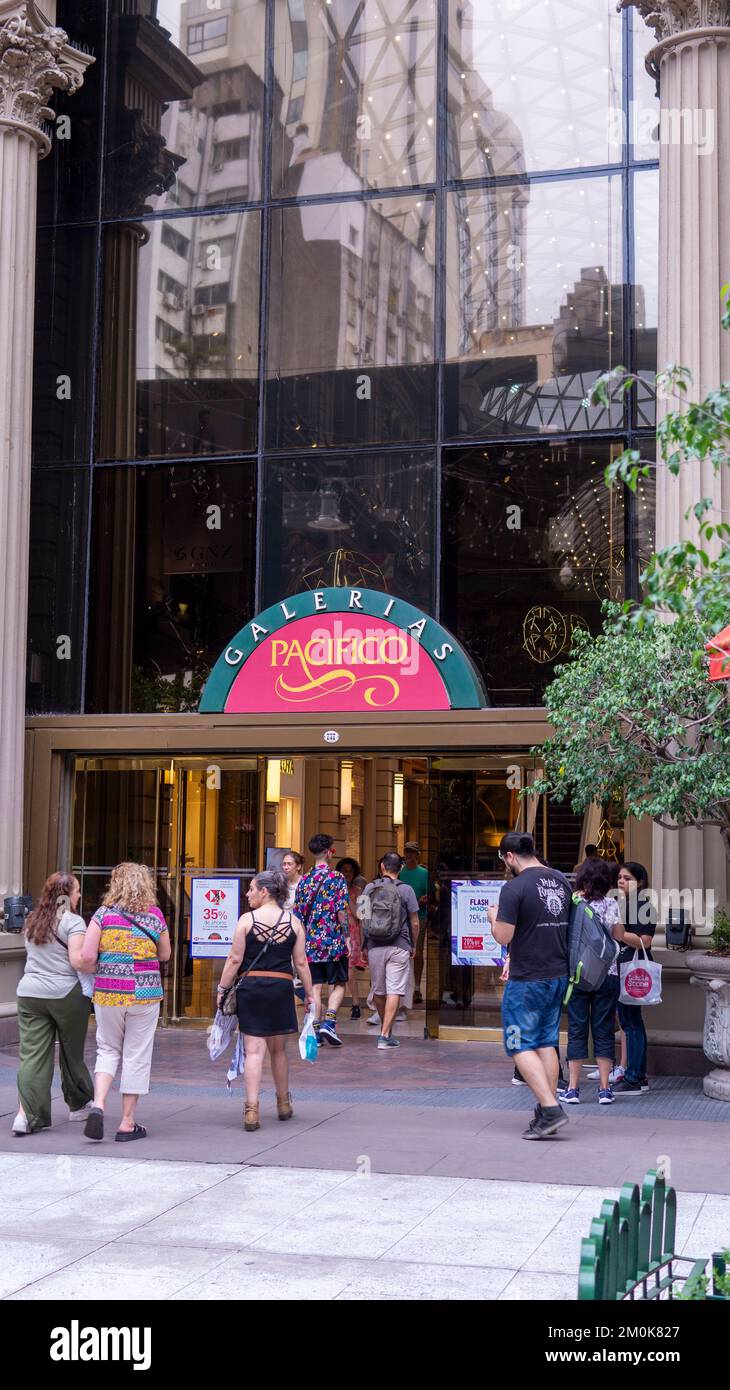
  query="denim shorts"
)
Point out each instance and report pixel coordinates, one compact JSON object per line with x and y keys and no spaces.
{"x":531,"y":1014}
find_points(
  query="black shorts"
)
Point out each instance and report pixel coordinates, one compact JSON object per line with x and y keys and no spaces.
{"x":330,"y":972}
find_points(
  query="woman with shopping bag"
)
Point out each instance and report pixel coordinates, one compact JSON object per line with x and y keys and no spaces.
{"x":639,"y":918}
{"x":259,"y":969}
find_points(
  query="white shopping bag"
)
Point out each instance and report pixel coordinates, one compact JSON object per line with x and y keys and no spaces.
{"x":641,"y":980}
{"x":308,"y":1045}
{"x":220,"y":1033}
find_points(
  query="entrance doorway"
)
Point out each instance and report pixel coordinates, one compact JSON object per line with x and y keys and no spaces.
{"x":223,"y":818}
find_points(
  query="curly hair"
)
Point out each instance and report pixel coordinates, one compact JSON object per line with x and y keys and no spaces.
{"x":131,"y":887}
{"x":54,"y":901}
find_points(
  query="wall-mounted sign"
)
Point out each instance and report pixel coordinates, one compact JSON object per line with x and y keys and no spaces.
{"x":214,"y":913}
{"x":330,"y":650}
{"x":472,"y":942}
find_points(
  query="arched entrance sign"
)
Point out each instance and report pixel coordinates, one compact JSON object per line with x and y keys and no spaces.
{"x":330,"y":650}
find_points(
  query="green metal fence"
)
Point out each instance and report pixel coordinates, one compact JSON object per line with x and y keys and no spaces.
{"x":629,"y":1252}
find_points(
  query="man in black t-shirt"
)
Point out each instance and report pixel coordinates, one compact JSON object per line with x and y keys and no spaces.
{"x":532,"y":919}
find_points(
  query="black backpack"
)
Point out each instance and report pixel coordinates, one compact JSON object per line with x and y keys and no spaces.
{"x":384,"y":912}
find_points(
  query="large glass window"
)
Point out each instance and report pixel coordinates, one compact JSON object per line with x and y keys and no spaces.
{"x":68,"y":177}
{"x":534,"y":306}
{"x":532,"y":85}
{"x":646,"y":290}
{"x":367,"y":520}
{"x":643,"y":122}
{"x":172,"y":580}
{"x":533,"y":544}
{"x":184,"y":82}
{"x":57,"y":589}
{"x":351,"y":324}
{"x":180,"y":355}
{"x":355,"y":100}
{"x":63,"y":349}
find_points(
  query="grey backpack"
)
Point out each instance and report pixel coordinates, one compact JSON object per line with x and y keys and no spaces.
{"x":383,"y":921}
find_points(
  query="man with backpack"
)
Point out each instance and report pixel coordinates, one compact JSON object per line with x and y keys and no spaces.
{"x":389,"y":915}
{"x":532,"y":919}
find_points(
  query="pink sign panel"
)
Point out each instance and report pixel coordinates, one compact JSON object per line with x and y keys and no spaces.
{"x":337,"y":661}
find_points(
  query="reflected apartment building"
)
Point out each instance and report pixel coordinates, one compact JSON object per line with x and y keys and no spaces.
{"x":332,"y":281}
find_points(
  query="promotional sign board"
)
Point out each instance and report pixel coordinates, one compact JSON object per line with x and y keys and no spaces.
{"x":472,"y":942}
{"x":214,"y":911}
{"x":331,"y":650}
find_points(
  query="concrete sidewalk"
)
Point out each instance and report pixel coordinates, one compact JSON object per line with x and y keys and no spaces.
{"x":447,"y":1110}
{"x":118,"y":1228}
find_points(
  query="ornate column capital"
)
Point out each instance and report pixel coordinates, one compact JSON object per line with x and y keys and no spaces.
{"x":35,"y":58}
{"x":671,"y":19}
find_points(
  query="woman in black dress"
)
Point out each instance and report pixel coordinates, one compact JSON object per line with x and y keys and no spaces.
{"x":265,"y":941}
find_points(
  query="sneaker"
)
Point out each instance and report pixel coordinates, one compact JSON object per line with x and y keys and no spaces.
{"x":571,"y":1095}
{"x":355,"y":1011}
{"x":78,"y":1115}
{"x":20,"y":1124}
{"x":562,"y":1087}
{"x":594,"y":1075}
{"x":630,"y":1088}
{"x":374,"y":1019}
{"x":517,"y":1079}
{"x":605,"y":1097}
{"x":387,"y":1042}
{"x":402,"y":1016}
{"x":417,"y":997}
{"x":549,"y":1120}
{"x":328,"y":1030}
{"x":617,"y":1074}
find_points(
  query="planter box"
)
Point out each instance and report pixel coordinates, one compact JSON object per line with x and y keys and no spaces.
{"x":712,"y":974}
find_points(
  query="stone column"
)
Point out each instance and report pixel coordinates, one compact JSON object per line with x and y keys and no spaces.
{"x":692,"y":63}
{"x":35,"y":58}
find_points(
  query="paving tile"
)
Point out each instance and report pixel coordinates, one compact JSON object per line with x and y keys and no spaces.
{"x":416,"y":1283}
{"x":25,"y":1259}
{"x":125,"y":1272}
{"x":529,"y":1287}
{"x":257,"y":1276}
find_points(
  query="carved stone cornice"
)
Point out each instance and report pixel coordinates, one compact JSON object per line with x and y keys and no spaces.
{"x":36,"y":58}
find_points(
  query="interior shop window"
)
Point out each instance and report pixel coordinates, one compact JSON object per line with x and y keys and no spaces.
{"x":57,"y":589}
{"x":194,"y":329}
{"x":63,"y":344}
{"x":172,"y":580}
{"x":533,"y":543}
{"x":355,"y":98}
{"x":351,"y":324}
{"x":534,"y":86}
{"x":366,"y":521}
{"x":534,"y":306}
{"x":68,"y":177}
{"x":183,"y":83}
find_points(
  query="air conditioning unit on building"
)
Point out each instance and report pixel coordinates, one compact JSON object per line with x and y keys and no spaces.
{"x":218,"y":167}
{"x":171,"y":301}
{"x":197,"y":311}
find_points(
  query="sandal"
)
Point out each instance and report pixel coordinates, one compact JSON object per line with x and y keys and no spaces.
{"x":94,"y":1127}
{"x":124,"y":1136}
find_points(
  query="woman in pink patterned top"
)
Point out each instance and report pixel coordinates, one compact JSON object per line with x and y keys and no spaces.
{"x":129,"y":934}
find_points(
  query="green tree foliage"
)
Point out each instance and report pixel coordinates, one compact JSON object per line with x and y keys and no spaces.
{"x":635,"y":715}
{"x":634,"y":712}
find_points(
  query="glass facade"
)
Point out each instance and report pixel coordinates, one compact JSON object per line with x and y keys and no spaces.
{"x":323,"y":289}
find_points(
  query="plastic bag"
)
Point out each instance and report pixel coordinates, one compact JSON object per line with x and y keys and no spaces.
{"x":237,"y":1060}
{"x":308,"y":1045}
{"x":641,"y":981}
{"x":220,"y":1034}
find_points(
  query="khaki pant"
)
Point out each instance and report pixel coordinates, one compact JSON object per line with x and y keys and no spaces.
{"x":126,"y":1034}
{"x":40,"y":1023}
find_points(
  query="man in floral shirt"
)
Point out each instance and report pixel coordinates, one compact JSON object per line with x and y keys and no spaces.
{"x":321,"y":903}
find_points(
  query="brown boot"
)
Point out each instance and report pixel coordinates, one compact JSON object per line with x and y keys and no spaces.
{"x":284,"y":1107}
{"x":251,"y":1117}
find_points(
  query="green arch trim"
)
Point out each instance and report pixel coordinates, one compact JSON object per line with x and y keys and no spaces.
{"x":457,"y":670}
